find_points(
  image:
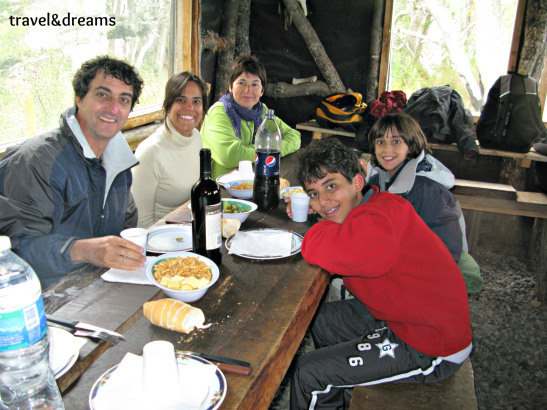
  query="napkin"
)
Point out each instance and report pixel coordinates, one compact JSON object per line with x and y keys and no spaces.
{"x":260,"y":245}
{"x":137,"y":277}
{"x":157,"y":381}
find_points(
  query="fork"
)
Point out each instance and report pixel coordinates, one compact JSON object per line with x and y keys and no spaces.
{"x":113,"y":340}
{"x":98,"y":335}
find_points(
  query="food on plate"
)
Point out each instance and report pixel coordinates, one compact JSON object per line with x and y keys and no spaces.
{"x":242,"y":186}
{"x":230,"y":208}
{"x":182,"y":273}
{"x":174,"y":315}
{"x":230,"y":227}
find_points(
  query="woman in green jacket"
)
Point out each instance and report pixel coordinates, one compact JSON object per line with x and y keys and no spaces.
{"x":231,"y":123}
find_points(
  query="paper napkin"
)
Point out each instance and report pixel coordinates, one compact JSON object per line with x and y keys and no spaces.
{"x":261,"y":245}
{"x":156,"y":380}
{"x":137,"y":277}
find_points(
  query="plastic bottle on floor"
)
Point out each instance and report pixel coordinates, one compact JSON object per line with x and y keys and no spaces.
{"x":26,"y":379}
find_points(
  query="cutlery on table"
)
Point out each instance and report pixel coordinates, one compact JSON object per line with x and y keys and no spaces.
{"x":75,"y":324}
{"x":226,"y":364}
{"x":169,"y":221}
{"x":85,"y":333}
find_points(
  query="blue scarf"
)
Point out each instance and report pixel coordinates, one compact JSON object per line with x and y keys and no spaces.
{"x":236,"y":112}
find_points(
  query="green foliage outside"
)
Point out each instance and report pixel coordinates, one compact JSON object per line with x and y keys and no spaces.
{"x":37,"y":64}
{"x":464,"y":44}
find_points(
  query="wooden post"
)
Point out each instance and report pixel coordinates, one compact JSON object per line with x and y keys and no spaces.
{"x":315,"y":47}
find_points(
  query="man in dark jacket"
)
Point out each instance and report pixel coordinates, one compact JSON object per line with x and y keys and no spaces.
{"x":71,"y":185}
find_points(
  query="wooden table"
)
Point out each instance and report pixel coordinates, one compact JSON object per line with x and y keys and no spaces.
{"x":259,"y":311}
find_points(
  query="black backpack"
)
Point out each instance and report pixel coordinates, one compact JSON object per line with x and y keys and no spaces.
{"x":340,"y":111}
{"x":511,"y":118}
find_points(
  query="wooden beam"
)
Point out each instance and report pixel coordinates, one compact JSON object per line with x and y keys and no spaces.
{"x":187,"y":30}
{"x":517,"y":36}
{"x":196,"y":37}
{"x":386,"y":47}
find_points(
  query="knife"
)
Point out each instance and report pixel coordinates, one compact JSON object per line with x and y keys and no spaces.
{"x":169,"y":221}
{"x":84,"y":326}
{"x":226,"y":364}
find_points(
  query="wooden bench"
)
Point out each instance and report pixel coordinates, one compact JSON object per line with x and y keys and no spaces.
{"x":456,"y":392}
{"x":478,"y":197}
{"x":524,"y":160}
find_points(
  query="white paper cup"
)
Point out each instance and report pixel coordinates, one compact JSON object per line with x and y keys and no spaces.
{"x":246,"y":170}
{"x":136,"y":235}
{"x":161,"y":375}
{"x":300,"y":204}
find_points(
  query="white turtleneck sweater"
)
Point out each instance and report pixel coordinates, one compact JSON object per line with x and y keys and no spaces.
{"x":169,"y":167}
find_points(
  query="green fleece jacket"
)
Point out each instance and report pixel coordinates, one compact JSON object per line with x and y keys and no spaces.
{"x":227,"y":149}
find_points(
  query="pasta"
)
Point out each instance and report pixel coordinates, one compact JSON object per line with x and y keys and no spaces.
{"x":242,"y":186}
{"x":182,"y":273}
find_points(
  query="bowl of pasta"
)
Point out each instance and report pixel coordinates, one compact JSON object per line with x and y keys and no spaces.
{"x":242,"y":188}
{"x":185,"y":276}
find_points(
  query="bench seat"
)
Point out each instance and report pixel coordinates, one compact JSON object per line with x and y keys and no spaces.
{"x":456,"y":392}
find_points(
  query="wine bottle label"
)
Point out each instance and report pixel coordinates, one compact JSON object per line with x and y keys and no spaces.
{"x":267,"y":164}
{"x":213,"y":226}
{"x":23,"y":327}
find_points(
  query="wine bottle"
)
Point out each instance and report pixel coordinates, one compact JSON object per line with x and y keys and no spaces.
{"x":206,"y":212}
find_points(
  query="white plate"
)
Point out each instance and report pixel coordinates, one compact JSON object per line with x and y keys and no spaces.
{"x":64,"y":350}
{"x":170,"y":238}
{"x":217,"y":390}
{"x":230,"y":176}
{"x":295,"y":248}
{"x":286,"y":192}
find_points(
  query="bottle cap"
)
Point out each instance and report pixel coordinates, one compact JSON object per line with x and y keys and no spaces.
{"x":5,"y":243}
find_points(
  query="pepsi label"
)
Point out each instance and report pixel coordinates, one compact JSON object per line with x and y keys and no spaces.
{"x":267,"y":164}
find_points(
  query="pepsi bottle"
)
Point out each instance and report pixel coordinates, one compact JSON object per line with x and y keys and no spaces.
{"x":267,"y":152}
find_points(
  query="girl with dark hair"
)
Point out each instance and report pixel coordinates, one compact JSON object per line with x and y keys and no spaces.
{"x":401,"y":163}
{"x":169,"y":158}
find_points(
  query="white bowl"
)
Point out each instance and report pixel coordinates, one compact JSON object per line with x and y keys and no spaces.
{"x":183,"y":295}
{"x":240,"y":193}
{"x":241,"y":204}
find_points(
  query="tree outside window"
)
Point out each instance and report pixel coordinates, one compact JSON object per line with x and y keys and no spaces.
{"x":464,"y":44}
{"x":44,"y":43}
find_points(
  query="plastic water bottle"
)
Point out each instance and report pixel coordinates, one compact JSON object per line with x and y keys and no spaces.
{"x":26,"y":380}
{"x":268,"y":150}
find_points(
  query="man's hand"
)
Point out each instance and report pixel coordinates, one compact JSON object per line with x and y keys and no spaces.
{"x":108,"y":251}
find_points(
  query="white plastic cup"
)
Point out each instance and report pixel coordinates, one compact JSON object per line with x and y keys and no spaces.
{"x":300,"y":205}
{"x":136,"y":235}
{"x":246,"y":170}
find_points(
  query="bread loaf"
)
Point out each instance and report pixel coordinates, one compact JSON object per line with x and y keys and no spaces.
{"x":230,"y":227}
{"x":283,"y":183}
{"x":174,"y":315}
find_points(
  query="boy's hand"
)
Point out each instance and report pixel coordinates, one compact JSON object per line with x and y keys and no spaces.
{"x":289,"y":212}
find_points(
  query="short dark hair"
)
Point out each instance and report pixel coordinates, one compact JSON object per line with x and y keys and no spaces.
{"x":110,"y":66}
{"x":175,"y":87}
{"x":327,"y":156}
{"x":247,"y":64}
{"x":407,"y":128}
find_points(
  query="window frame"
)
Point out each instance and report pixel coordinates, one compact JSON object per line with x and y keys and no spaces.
{"x":513,"y":53}
{"x":185,"y":23}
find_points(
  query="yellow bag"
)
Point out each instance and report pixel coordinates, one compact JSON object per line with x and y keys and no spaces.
{"x":341,"y":110}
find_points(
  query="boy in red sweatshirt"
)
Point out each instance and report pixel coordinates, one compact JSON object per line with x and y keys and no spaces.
{"x":409,"y":321}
